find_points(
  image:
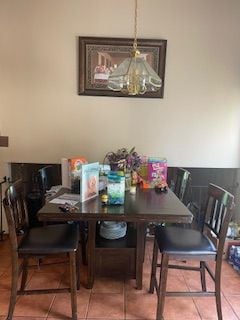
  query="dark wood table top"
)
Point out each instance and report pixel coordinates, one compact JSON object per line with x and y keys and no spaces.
{"x":146,"y":205}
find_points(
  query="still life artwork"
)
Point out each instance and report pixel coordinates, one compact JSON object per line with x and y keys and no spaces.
{"x":89,"y":181}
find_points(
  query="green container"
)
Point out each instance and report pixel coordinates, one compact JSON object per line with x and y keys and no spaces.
{"x":116,"y":188}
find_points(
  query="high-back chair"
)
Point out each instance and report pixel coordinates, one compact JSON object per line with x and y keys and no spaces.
{"x":176,"y":243}
{"x":46,"y":179}
{"x":182,"y":183}
{"x":35,"y":242}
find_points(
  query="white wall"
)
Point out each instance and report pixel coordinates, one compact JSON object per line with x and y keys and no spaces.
{"x":196,"y":124}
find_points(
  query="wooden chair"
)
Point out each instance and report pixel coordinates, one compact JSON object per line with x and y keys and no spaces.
{"x":46,"y":179}
{"x":35,"y":242}
{"x":182,"y":184}
{"x":188,"y":244}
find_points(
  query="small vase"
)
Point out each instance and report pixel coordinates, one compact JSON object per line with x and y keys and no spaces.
{"x":128,"y":180}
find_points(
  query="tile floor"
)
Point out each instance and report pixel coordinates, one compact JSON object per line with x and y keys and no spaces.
{"x":116,"y":299}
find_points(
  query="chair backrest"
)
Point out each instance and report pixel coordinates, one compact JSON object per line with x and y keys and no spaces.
{"x":16,"y":212}
{"x":218,"y":214}
{"x":182,"y":184}
{"x":46,"y":178}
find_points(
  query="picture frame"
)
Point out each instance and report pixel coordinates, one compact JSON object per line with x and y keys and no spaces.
{"x":89,"y":181}
{"x":97,"y":56}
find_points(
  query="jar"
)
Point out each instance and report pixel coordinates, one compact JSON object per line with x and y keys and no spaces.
{"x":116,"y":188}
{"x":128,"y":180}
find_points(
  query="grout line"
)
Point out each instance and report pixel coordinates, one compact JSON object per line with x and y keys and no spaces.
{"x":88,"y":305}
{"x":232,"y":308}
{"x":194,"y":302}
{"x":55,"y":295}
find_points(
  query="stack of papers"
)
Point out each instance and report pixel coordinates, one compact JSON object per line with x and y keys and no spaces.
{"x":52,"y":192}
{"x":69,"y":198}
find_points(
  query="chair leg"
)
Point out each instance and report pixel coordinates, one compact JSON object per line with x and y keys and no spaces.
{"x":78,"y":257}
{"x":203,"y":276}
{"x":162,"y":286}
{"x":144,"y":248}
{"x":154,"y":267}
{"x":14,"y":285}
{"x":24,"y":273}
{"x":83,"y":242}
{"x":73,"y":284}
{"x":218,"y":288}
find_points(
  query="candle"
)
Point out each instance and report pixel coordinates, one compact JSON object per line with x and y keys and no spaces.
{"x":133,"y":189}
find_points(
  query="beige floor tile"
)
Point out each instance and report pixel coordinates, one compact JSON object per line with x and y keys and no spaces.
{"x":106,"y":306}
{"x":4,"y":302}
{"x":140,"y":306}
{"x":34,"y":305}
{"x":61,"y":307}
{"x":234,"y":301}
{"x":5,"y":263}
{"x":207,"y":308}
{"x":108,"y":285}
{"x":180,"y":308}
{"x":6,"y":278}
{"x":42,"y":280}
{"x":194,"y":282}
{"x":231,"y":284}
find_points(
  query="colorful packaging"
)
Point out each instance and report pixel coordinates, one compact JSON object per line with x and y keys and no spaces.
{"x":157,"y":169}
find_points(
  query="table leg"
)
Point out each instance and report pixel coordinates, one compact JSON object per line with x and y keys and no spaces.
{"x":141,"y":229}
{"x":91,"y":253}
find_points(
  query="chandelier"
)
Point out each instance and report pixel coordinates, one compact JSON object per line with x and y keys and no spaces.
{"x":134,"y":75}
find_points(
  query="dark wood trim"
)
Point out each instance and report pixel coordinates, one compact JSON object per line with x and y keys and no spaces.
{"x":3,"y":141}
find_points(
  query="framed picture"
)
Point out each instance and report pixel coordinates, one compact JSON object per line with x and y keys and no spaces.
{"x":89,"y":181}
{"x":99,"y":56}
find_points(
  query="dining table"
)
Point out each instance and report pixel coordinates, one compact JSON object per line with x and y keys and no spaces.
{"x":144,"y":207}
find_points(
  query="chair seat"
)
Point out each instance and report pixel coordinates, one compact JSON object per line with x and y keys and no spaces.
{"x":180,"y":241}
{"x":50,"y":239}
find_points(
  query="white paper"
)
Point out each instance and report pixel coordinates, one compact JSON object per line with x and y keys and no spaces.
{"x":70,"y":196}
{"x":63,"y":201}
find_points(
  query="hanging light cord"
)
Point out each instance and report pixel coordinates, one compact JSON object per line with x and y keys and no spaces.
{"x":135,"y":25}
{"x":134,"y":75}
